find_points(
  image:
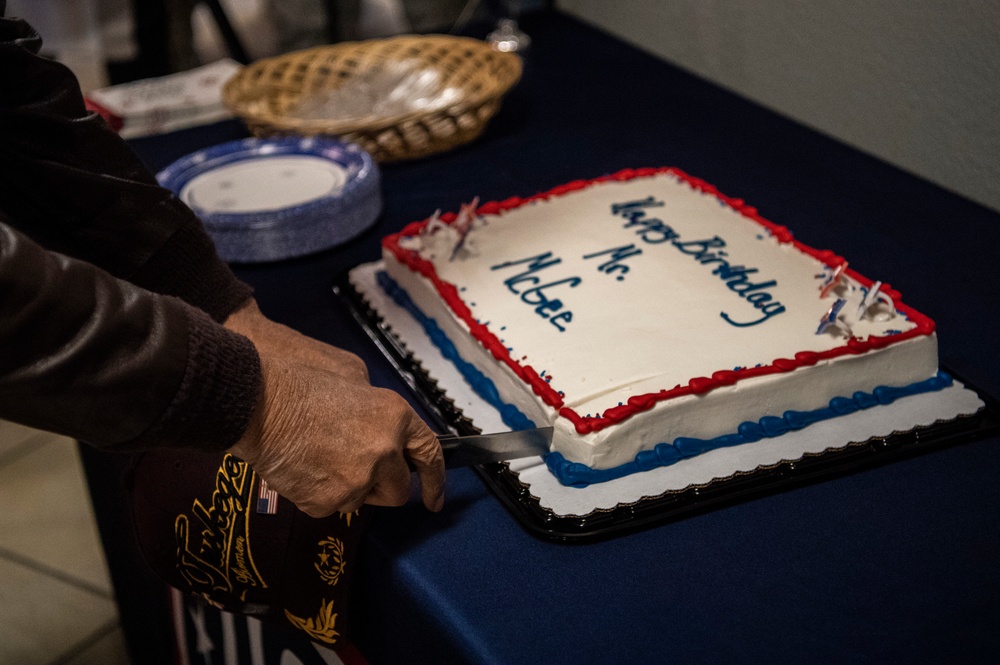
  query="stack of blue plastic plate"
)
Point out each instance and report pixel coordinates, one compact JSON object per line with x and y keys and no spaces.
{"x":272,"y":199}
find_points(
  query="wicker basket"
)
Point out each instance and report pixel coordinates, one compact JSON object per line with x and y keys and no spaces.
{"x":267,"y":93}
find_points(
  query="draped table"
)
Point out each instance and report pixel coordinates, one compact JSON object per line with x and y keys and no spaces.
{"x":899,"y":562}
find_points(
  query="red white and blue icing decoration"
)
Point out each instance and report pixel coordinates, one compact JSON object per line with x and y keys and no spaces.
{"x":872,"y":297}
{"x":660,"y":311}
{"x":832,"y":279}
{"x":463,"y":224}
{"x":830,"y":318}
{"x":664,"y":453}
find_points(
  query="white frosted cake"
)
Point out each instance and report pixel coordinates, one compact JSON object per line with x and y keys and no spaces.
{"x":648,"y":318}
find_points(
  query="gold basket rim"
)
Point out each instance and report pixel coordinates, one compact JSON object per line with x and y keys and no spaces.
{"x":235,"y":97}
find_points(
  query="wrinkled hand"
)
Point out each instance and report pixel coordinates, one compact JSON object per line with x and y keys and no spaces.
{"x":274,"y":338}
{"x":325,"y":439}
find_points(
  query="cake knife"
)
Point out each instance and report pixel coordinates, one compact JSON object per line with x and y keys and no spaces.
{"x":499,"y":447}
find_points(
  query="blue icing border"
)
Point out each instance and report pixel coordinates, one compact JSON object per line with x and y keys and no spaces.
{"x":481,"y":384}
{"x":575,"y":474}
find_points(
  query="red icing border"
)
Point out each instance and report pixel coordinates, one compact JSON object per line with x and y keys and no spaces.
{"x":697,"y":385}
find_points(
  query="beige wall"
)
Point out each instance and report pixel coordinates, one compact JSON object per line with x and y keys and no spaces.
{"x":914,"y":82}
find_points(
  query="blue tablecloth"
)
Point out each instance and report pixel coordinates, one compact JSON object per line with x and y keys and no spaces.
{"x":899,"y":563}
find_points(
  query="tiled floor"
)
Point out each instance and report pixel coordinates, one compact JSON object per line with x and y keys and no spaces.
{"x":56,"y":604}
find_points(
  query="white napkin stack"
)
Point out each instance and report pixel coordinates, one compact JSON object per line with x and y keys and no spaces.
{"x":168,"y":103}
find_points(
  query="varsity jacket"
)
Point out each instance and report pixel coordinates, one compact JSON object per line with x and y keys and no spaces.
{"x":111,"y":293}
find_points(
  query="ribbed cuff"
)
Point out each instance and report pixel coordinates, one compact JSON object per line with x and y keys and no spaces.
{"x":217,"y":396}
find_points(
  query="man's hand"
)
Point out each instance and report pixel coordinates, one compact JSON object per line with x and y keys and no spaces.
{"x":325,"y":439}
{"x":274,"y":338}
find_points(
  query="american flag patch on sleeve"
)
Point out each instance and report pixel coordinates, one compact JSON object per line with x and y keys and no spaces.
{"x":267,"y":499}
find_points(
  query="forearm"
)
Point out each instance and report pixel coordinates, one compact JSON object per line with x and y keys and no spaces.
{"x":90,"y":356}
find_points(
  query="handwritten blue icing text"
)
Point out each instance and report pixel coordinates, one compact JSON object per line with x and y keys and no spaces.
{"x":737,"y":278}
{"x":529,"y":286}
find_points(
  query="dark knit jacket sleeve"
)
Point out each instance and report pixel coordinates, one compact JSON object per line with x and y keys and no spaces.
{"x":152,"y":371}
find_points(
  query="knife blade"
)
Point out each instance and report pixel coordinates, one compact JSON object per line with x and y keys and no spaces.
{"x":498,"y":447}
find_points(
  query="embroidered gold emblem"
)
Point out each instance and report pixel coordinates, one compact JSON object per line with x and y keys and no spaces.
{"x":331,"y":560}
{"x":222,"y":560}
{"x":347,"y":516}
{"x":322,"y":627}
